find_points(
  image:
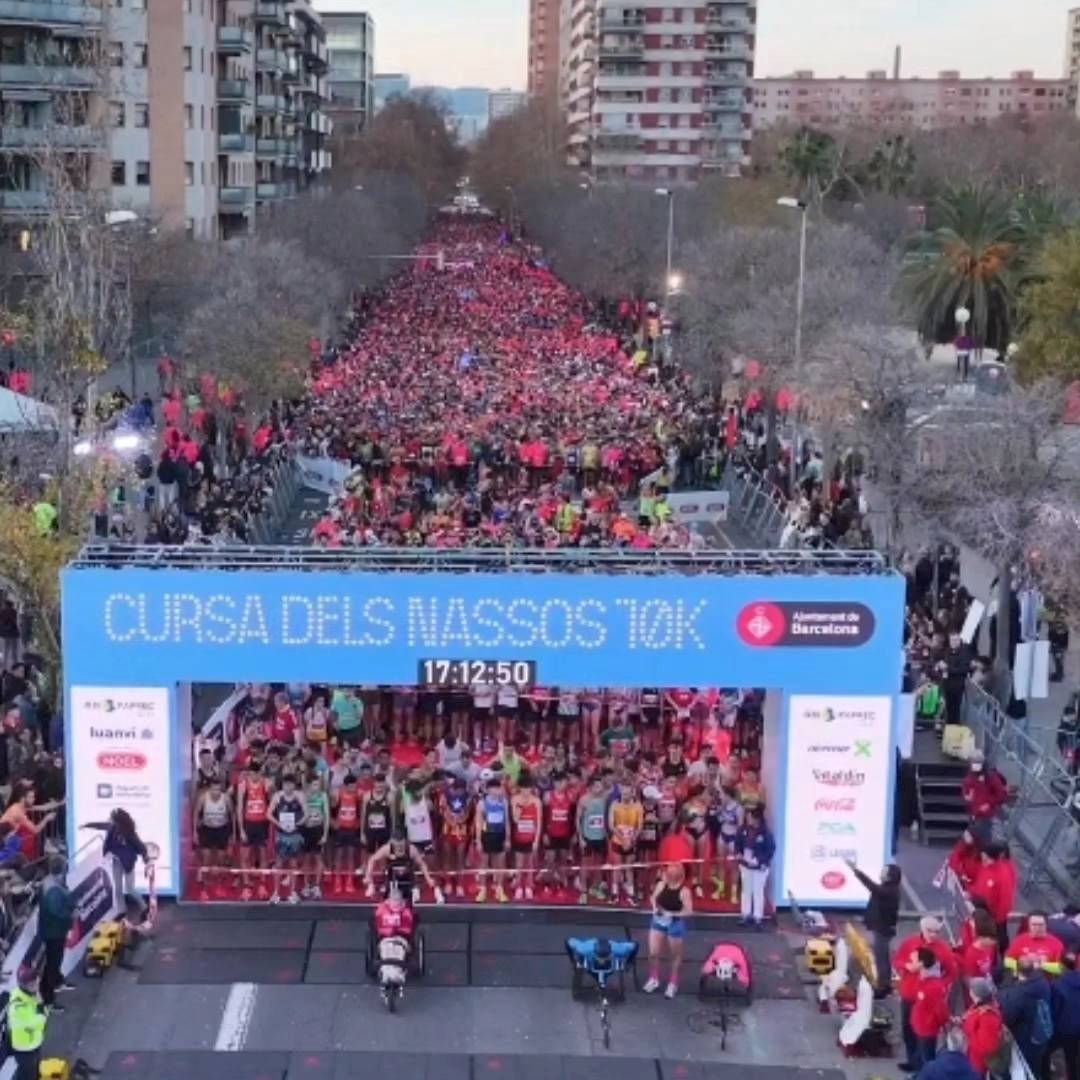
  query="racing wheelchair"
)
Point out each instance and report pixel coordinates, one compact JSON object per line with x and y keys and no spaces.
{"x":392,"y":958}
{"x":602,"y":963}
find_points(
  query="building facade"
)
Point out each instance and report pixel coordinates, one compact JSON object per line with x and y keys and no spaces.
{"x":351,"y":40}
{"x":658,"y":92}
{"x":544,"y":49}
{"x":1071,"y":69}
{"x":192,"y":114}
{"x":388,"y":85}
{"x":504,"y":102}
{"x":924,"y":104}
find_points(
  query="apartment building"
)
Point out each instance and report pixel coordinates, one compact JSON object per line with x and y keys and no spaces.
{"x":51,"y":75}
{"x":351,"y":40}
{"x":925,"y":104}
{"x":658,"y":92}
{"x":1071,"y":70}
{"x":208,"y":110}
{"x":544,"y":49}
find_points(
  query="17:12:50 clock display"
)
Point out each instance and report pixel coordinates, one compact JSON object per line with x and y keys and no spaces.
{"x":477,"y":672}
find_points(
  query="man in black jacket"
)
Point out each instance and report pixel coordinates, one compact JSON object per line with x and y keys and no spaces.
{"x":882,"y":915}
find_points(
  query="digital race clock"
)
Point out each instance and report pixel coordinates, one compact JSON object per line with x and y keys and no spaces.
{"x":473,"y":672}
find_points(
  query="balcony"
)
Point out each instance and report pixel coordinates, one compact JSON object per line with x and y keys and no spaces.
{"x":59,"y":13}
{"x":726,"y":103}
{"x":56,"y":137}
{"x":274,"y":190}
{"x":270,"y":103}
{"x":233,"y":90}
{"x":627,"y":22}
{"x":234,"y":40}
{"x":732,"y":49}
{"x":273,"y":59}
{"x":291,"y":73}
{"x":236,"y":199}
{"x":23,"y":200}
{"x":630,"y":48}
{"x":272,"y":12}
{"x":725,"y":76}
{"x":47,"y":74}
{"x":729,"y":24}
{"x":270,"y":147}
{"x":235,"y":142}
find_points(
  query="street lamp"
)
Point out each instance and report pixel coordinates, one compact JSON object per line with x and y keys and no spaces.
{"x":674,"y":284}
{"x":790,"y":203}
{"x":513,"y":208}
{"x":963,"y":355}
{"x":669,"y":194}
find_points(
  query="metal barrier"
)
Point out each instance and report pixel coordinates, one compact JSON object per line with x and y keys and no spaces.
{"x":1042,"y":817}
{"x":284,"y":480}
{"x":756,"y":503}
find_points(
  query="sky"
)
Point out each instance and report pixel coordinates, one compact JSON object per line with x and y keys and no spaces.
{"x":483,"y":42}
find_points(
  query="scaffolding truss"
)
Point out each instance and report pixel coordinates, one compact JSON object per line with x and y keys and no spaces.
{"x":482,"y":560}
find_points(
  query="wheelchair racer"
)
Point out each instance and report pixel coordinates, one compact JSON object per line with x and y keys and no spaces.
{"x":394,"y":917}
{"x":600,"y":957}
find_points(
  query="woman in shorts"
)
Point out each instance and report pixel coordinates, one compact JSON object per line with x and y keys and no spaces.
{"x":492,"y":837}
{"x":536,"y":706}
{"x":672,"y":904}
{"x":650,"y":704}
{"x":315,"y":829}
{"x":455,"y":810}
{"x":592,"y":707}
{"x":568,"y":715}
{"x":625,"y":818}
{"x":695,"y":819}
{"x":287,"y":811}
{"x":483,"y":695}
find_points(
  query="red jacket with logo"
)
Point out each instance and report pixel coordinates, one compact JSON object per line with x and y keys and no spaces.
{"x":996,"y":884}
{"x":910,"y":982}
{"x":930,"y":1011}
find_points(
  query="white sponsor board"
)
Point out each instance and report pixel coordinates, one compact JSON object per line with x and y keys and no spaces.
{"x":121,"y":757}
{"x":839,"y":761}
{"x":322,"y":473}
{"x":93,"y":882}
{"x":708,"y":506}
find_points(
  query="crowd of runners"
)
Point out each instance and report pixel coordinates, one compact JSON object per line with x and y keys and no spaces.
{"x":479,"y":405}
{"x":567,"y":796}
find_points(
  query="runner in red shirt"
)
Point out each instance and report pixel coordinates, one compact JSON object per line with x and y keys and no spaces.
{"x":678,"y":704}
{"x":284,"y":725}
{"x":347,"y":840}
{"x":559,"y":826}
{"x":253,"y":829}
{"x":526,"y":820}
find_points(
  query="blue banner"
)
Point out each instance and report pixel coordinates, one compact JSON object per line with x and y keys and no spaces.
{"x":814,"y":634}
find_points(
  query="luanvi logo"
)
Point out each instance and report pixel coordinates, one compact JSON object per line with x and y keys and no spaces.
{"x":819,"y":624}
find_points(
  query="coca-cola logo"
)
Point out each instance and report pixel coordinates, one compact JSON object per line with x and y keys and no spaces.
{"x":833,"y":880}
{"x":835,"y":806}
{"x":121,"y":760}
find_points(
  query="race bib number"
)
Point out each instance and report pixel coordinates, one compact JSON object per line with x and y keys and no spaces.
{"x":376,"y":821}
{"x":288,"y":820}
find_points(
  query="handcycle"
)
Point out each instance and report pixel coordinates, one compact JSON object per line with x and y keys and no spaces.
{"x":602,"y":961}
{"x":392,"y":958}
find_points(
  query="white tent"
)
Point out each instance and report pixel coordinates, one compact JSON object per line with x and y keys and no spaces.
{"x":21,"y":414}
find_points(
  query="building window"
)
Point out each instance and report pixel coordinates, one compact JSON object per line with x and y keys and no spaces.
{"x":119,"y":173}
{"x":189,"y":223}
{"x":117,"y":114}
{"x":142,"y":56}
{"x":189,"y":173}
{"x":187,"y":57}
{"x":116,"y":53}
{"x":142,"y":173}
{"x":189,"y":117}
{"x":142,"y":115}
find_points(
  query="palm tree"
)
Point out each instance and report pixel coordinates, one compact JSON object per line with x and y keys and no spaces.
{"x":973,"y":258}
{"x":809,"y":157}
{"x":892,"y":165}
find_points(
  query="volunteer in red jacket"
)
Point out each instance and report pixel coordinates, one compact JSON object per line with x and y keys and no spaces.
{"x":930,"y":1009}
{"x":1042,"y":948}
{"x":965,"y":859}
{"x":982,"y":1025}
{"x":984,"y":790}
{"x":906,"y":966}
{"x":995,"y":883}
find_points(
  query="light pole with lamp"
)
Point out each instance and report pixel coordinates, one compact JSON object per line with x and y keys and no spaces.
{"x":963,"y":352}
{"x":791,"y":203}
{"x":669,"y":194}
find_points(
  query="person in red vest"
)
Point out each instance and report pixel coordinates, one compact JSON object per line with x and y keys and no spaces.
{"x":906,"y":967}
{"x":995,"y":884}
{"x":983,"y":1025}
{"x":930,"y":1010}
{"x":1042,"y":948}
{"x":984,"y":790}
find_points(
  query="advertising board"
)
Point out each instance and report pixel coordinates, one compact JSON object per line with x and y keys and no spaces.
{"x":122,"y":754}
{"x":837,"y":797}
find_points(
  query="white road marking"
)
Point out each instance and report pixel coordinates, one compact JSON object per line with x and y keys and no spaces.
{"x":235,"y":1021}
